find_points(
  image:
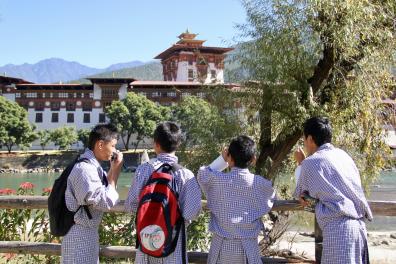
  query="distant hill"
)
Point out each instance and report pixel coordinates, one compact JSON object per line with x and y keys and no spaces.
{"x":151,"y":71}
{"x":54,"y":70}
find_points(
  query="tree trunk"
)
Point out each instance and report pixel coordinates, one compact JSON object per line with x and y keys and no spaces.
{"x":137,"y":144}
{"x":9,"y":147}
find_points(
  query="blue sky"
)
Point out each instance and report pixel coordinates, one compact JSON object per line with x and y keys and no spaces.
{"x":98,"y":33}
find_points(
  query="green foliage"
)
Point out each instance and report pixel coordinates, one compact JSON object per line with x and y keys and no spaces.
{"x":26,"y":225}
{"x":44,"y":136}
{"x":116,"y":229}
{"x":207,"y":126}
{"x":15,"y":128}
{"x":318,"y":57}
{"x":64,"y":136}
{"x":198,"y":235}
{"x":135,"y":115}
{"x":83,"y":136}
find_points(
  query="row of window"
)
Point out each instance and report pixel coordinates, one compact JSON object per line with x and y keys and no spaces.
{"x":70,"y":118}
{"x":53,"y":95}
{"x":55,"y":106}
{"x":170,"y":94}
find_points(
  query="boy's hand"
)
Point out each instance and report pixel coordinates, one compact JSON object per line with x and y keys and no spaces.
{"x":117,"y":162}
{"x":299,"y":155}
{"x":302,"y":201}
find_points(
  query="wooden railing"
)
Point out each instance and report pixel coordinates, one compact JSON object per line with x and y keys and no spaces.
{"x":384,"y":208}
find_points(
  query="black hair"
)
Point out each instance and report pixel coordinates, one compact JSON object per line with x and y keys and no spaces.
{"x":242,"y":150}
{"x":106,"y":132}
{"x":320,"y":130}
{"x":168,"y":135}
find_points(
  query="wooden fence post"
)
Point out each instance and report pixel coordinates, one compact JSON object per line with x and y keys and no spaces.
{"x":318,"y":242}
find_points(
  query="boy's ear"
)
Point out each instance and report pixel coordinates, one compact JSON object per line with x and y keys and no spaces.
{"x":253,"y":160}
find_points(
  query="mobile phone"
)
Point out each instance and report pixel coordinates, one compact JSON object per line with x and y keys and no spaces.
{"x":114,"y":156}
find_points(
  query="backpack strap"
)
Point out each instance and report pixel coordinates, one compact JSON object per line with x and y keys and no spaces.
{"x":104,"y":181}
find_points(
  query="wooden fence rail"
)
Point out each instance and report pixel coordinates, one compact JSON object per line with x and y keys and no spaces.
{"x":383,"y":208}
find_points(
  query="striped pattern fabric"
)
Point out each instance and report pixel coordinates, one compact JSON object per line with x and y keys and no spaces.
{"x":236,"y":200}
{"x":189,"y":200}
{"x":331,"y":176}
{"x":84,"y":187}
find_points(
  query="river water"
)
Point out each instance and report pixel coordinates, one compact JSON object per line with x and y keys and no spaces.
{"x":384,"y":189}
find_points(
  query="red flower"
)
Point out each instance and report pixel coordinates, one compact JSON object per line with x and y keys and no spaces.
{"x":7,"y":191}
{"x":9,"y":256}
{"x":47,"y":190}
{"x":26,"y":185}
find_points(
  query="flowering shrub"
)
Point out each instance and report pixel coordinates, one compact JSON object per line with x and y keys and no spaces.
{"x":25,"y":225}
{"x":117,"y":229}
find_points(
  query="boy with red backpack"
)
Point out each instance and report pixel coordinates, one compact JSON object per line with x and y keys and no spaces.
{"x":164,"y":196}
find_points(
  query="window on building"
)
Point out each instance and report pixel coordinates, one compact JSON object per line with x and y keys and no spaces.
{"x":87,"y":106}
{"x":39,"y":106}
{"x":186,"y":94}
{"x":31,"y":95}
{"x":18,"y":95}
{"x":171,"y":94}
{"x":156,"y":94}
{"x":70,"y":118}
{"x":70,"y":106}
{"x":39,"y":117}
{"x":87,"y":118}
{"x":113,"y":93}
{"x":55,"y":118}
{"x":190,"y":75}
{"x":213,"y":74}
{"x":102,"y":118}
{"x":200,"y":94}
{"x":55,"y":106}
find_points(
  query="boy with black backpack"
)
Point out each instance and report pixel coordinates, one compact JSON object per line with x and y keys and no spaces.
{"x":88,"y":186}
{"x":236,"y":200}
{"x":164,"y":196}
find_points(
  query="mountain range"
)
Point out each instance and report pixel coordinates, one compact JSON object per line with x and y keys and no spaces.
{"x":56,"y":70}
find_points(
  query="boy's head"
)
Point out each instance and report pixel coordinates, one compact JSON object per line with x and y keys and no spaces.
{"x":317,"y":131}
{"x":242,"y":150}
{"x":167,"y":137}
{"x":102,"y":141}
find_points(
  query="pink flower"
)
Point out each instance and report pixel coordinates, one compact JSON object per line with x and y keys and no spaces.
{"x":26,"y":185}
{"x":7,"y":191}
{"x":9,"y":256}
{"x":47,"y":190}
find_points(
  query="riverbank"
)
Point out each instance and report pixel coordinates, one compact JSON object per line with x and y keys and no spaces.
{"x":382,"y":245}
{"x":51,"y":161}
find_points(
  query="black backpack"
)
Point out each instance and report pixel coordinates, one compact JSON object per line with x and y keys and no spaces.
{"x":60,"y":218}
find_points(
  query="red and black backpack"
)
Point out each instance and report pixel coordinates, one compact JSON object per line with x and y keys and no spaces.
{"x":158,"y":218}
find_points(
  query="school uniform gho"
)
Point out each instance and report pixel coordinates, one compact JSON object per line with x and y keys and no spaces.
{"x":85,"y":187}
{"x":236,"y":200}
{"x":189,"y":202}
{"x":331,"y":176}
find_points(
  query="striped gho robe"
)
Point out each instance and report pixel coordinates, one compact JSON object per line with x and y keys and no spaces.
{"x":189,"y":201}
{"x":331,"y":176}
{"x":236,"y":200}
{"x":84,"y":187}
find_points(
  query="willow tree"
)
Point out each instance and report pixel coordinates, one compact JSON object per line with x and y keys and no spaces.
{"x":318,"y":57}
